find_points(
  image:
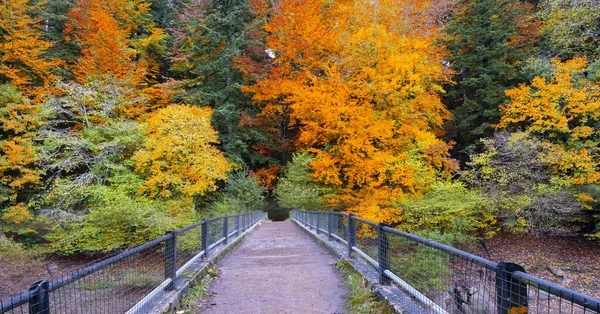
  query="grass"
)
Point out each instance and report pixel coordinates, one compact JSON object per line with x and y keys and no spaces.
{"x":197,"y":295}
{"x":142,"y":278}
{"x":362,"y":300}
{"x":101,"y":284}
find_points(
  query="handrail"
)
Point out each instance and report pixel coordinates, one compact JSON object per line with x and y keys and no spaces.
{"x":250,"y":219}
{"x":554,"y":289}
{"x":448,"y":249}
{"x":510,"y":282}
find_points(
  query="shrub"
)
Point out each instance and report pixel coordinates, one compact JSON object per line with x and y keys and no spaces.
{"x":243,"y":193}
{"x":515,"y":175}
{"x":297,"y":189}
{"x":116,"y":221}
{"x":449,"y":209}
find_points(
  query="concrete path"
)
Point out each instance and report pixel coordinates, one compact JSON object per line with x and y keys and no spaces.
{"x":278,"y":269}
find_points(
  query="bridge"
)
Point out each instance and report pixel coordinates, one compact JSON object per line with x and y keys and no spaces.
{"x":289,"y":267}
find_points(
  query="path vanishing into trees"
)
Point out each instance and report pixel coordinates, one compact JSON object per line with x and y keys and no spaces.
{"x":278,"y":269}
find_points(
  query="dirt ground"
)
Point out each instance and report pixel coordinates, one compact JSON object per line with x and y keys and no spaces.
{"x":576,"y":257}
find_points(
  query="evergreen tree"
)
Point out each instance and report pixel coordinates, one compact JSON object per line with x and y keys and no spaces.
{"x":487,"y":40}
{"x":209,"y":38}
{"x":54,"y":16}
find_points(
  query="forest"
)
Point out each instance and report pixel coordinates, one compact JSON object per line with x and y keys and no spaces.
{"x":454,"y":119}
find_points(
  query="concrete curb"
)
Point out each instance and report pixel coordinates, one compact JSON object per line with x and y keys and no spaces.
{"x":167,"y":301}
{"x":397,"y":299}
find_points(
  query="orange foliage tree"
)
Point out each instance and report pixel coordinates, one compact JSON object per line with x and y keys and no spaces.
{"x":179,"y":159}
{"x":565,"y":111}
{"x":25,"y":76}
{"x":118,"y":39}
{"x":363,"y":89}
{"x":19,"y":176}
{"x":22,"y":50}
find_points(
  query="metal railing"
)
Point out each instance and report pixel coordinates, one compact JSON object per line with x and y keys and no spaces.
{"x":127,"y":282}
{"x":442,"y":278}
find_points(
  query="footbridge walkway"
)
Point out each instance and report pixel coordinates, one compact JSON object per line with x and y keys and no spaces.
{"x":289,"y":267}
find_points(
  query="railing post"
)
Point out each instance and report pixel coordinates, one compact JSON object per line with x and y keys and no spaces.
{"x":318,"y":214}
{"x":170,"y":259}
{"x":237,"y":225}
{"x":336,"y":221}
{"x":225,"y":228}
{"x":205,"y":241}
{"x":351,"y":234}
{"x":329,"y":224}
{"x":245,"y":221}
{"x":511,"y":293}
{"x":39,"y":303}
{"x":382,"y":253}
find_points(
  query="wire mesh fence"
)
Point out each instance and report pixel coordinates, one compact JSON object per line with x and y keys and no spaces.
{"x":124,"y":282}
{"x":367,"y":241}
{"x":446,"y":280}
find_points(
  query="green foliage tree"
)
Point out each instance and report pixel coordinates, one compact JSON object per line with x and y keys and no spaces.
{"x":85,"y":143}
{"x":487,"y":41}
{"x":54,"y":14}
{"x":116,"y":220}
{"x":514,"y":174}
{"x":297,"y":189}
{"x":450,"y":209}
{"x":242,"y":193}
{"x":92,"y":203}
{"x":209,"y":37}
{"x":571,"y":28}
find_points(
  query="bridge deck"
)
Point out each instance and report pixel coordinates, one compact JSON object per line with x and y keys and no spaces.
{"x":278,"y":269}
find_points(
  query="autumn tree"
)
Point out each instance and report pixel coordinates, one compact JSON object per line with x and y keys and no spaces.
{"x":364,"y":92}
{"x":487,"y":40}
{"x":571,"y":27}
{"x":23,"y":49}
{"x":117,"y":39}
{"x":179,"y":159}
{"x":19,"y":176}
{"x":565,"y":111}
{"x":25,"y":78}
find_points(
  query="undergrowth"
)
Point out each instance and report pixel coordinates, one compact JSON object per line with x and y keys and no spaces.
{"x":362,"y":300}
{"x":197,"y":296}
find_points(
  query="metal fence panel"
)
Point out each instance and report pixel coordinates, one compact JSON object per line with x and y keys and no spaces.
{"x":445,"y":279}
{"x":119,"y":283}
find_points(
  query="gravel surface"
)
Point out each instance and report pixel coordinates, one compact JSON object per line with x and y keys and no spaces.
{"x":278,"y":269}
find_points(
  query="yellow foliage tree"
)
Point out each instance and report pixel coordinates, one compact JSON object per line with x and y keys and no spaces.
{"x":179,"y":159}
{"x":565,"y":110}
{"x":363,"y":89}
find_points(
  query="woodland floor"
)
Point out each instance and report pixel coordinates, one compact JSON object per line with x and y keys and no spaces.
{"x":577,"y":257}
{"x":17,"y":275}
